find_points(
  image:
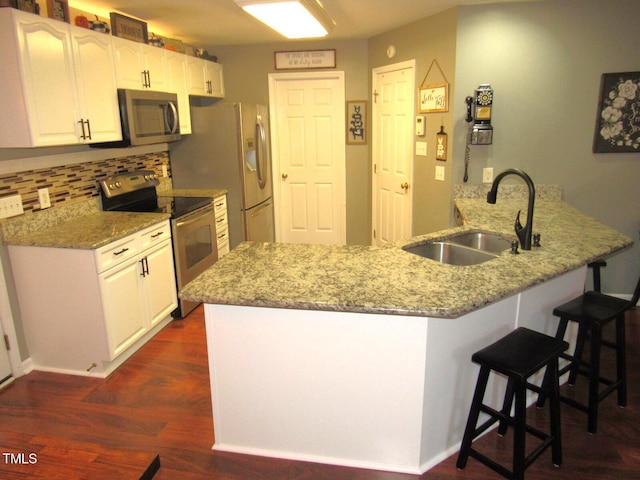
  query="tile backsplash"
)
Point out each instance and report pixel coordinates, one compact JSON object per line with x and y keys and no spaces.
{"x":71,"y":183}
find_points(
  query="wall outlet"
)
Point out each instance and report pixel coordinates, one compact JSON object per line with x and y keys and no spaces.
{"x":487,"y":175}
{"x":440,"y":173}
{"x":11,"y":206}
{"x":421,"y":149}
{"x":43,"y":195}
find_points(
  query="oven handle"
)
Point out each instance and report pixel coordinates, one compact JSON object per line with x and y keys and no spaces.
{"x":195,"y":218}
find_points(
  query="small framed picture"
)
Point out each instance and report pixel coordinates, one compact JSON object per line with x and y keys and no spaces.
{"x":25,"y":5}
{"x":357,"y":122}
{"x":617,"y":120}
{"x":59,"y":10}
{"x":434,"y":98}
{"x":129,"y":28}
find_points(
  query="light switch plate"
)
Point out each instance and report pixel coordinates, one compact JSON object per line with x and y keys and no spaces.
{"x":421,"y":149}
{"x":43,"y":197}
{"x":11,"y":206}
{"x":440,"y":173}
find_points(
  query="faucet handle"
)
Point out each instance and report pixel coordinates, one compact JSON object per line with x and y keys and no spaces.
{"x":518,"y":226}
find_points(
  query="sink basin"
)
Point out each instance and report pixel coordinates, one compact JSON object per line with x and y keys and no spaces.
{"x":450,"y":253}
{"x":488,"y":242}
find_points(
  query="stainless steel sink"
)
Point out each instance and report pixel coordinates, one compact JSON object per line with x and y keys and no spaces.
{"x":450,"y":253}
{"x":488,"y":242}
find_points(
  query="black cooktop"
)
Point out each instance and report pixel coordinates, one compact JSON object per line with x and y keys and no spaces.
{"x":179,"y":206}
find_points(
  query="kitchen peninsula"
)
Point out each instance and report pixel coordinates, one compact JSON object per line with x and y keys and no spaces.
{"x":360,"y":355}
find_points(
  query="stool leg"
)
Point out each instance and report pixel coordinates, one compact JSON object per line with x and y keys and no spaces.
{"x":554,"y":413}
{"x":577,"y":353}
{"x":519,"y":430}
{"x":562,"y":329}
{"x":594,"y":379}
{"x":621,"y":360}
{"x":474,"y":413}
{"x":506,"y":406}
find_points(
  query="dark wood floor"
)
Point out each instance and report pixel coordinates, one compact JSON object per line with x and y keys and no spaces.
{"x":159,"y":403}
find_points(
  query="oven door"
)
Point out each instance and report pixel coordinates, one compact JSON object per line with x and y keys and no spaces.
{"x":194,"y":244}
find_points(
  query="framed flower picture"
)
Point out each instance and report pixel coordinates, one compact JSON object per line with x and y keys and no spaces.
{"x":618,"y":120}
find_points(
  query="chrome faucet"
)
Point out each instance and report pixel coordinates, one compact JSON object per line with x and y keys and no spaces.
{"x":523,"y":233}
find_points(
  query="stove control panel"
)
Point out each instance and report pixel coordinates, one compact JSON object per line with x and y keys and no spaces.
{"x":128,"y":182}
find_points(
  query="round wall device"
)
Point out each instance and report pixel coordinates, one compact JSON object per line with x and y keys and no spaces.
{"x":391,"y":51}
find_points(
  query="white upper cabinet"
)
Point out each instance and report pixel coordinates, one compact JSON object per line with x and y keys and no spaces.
{"x":177,"y":67}
{"x":44,"y":100}
{"x":204,"y":78}
{"x":140,"y":66}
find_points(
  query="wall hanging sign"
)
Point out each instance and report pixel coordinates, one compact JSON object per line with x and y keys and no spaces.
{"x":434,"y":97}
{"x":129,"y":28}
{"x":58,"y":9}
{"x":618,"y":120}
{"x":304,"y":59}
{"x":441,"y":145}
{"x":357,"y":122}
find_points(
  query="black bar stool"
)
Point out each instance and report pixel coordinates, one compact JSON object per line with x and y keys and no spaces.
{"x":517,"y":355}
{"x":592,"y":311}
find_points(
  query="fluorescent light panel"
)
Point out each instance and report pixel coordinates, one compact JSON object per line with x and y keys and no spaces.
{"x":291,"y":18}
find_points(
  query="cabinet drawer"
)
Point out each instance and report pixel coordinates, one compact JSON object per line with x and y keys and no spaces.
{"x":222,"y":236}
{"x":117,"y":252}
{"x":155,"y":234}
{"x":220,"y":205}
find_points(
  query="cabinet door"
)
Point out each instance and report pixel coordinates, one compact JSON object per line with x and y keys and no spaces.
{"x":48,"y":80}
{"x":156,"y":66}
{"x":97,"y":90}
{"x":196,"y":77}
{"x":215,"y":78}
{"x":123,"y":310}
{"x":129,"y":65}
{"x":159,"y":283}
{"x":177,"y":68}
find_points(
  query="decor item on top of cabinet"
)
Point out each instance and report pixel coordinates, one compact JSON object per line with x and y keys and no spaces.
{"x":98,"y":25}
{"x":58,"y":10}
{"x":618,"y":120}
{"x":27,"y":5}
{"x":303,"y":59}
{"x":9,"y":3}
{"x":129,"y":28}
{"x":357,"y":122}
{"x":434,"y":97}
{"x":155,"y":41}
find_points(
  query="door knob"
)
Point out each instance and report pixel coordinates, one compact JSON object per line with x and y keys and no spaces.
{"x":405,"y":185}
{"x":284,"y":176}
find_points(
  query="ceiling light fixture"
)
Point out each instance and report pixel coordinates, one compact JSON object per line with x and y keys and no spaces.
{"x":291,"y":18}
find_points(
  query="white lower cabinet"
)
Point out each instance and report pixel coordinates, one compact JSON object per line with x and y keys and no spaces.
{"x":85,"y":311}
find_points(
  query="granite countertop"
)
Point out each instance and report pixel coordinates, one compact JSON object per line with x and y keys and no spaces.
{"x":88,"y":231}
{"x":386,"y":279}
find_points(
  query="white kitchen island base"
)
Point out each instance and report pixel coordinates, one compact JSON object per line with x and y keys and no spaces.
{"x":384,"y":392}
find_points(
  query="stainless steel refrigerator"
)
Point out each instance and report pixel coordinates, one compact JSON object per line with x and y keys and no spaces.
{"x":229,"y":149}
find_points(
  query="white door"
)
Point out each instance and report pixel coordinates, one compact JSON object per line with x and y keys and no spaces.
{"x":308,"y":152}
{"x":393,"y":113}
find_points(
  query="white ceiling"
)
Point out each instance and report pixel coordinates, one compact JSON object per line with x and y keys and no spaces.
{"x":208,"y":23}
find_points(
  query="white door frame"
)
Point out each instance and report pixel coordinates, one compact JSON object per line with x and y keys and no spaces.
{"x":374,"y":72}
{"x":275,"y":160}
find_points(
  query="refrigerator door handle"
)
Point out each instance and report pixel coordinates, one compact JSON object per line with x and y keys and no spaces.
{"x":261,"y":152}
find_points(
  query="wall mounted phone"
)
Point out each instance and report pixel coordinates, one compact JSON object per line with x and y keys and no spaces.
{"x":479,"y":109}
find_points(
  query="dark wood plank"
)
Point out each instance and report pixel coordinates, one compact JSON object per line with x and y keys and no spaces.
{"x":158,"y":403}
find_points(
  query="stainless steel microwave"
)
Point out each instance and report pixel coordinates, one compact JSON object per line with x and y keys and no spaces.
{"x":146,"y":117}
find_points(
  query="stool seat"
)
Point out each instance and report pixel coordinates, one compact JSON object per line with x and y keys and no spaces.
{"x":593,"y":307}
{"x":521,"y":353}
{"x":518,"y":355}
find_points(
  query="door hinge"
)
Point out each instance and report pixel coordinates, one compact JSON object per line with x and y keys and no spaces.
{"x":375,"y":168}
{"x":375,"y":96}
{"x":6,"y":342}
{"x":374,"y":233}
